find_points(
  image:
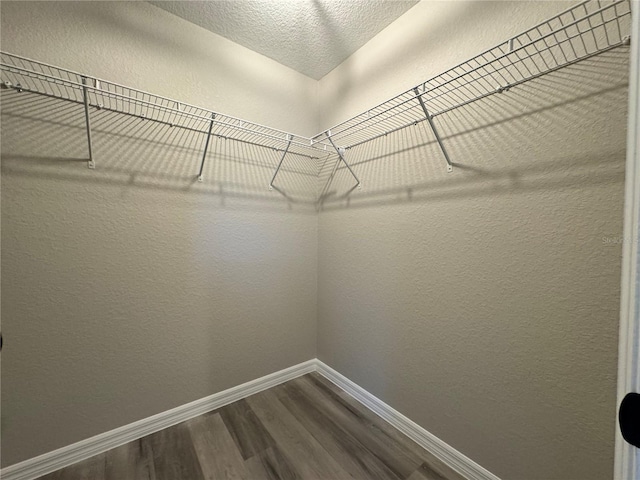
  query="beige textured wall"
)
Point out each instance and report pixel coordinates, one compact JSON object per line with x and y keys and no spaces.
{"x":130,"y":289}
{"x":482,"y":304}
{"x":142,"y":46}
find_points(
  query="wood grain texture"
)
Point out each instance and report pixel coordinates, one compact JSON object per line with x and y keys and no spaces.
{"x":174,"y":456}
{"x":133,"y":460}
{"x":307,"y":428}
{"x":380,"y":427}
{"x":247,"y":431}
{"x":426,"y":472}
{"x":271,"y":465}
{"x":217,"y":453}
{"x":299,"y":446}
{"x":352,"y":455}
{"x":397,"y":458}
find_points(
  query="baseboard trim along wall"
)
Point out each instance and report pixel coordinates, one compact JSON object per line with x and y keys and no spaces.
{"x":76,"y":452}
{"x":445,"y":452}
{"x":65,"y":456}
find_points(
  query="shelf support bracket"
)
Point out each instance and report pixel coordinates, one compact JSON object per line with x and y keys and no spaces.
{"x":206,"y":147}
{"x":340,"y":151}
{"x":275,"y":174}
{"x":85,"y":96}
{"x":434,"y":130}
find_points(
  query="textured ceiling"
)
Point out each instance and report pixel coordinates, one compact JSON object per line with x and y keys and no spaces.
{"x":310,"y":36}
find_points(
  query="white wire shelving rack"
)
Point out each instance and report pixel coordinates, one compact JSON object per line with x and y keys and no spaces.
{"x":578,"y":33}
{"x":26,"y":75}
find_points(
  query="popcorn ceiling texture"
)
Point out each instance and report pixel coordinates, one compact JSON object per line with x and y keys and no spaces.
{"x":482,"y":304}
{"x":310,"y":36}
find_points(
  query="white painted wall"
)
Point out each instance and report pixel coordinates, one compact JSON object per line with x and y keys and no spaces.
{"x":483,"y":304}
{"x":130,"y":290}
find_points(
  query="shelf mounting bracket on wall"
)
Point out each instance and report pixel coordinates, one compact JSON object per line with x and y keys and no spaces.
{"x":85,"y":96}
{"x":434,"y":129}
{"x":275,"y":174}
{"x":340,"y":151}
{"x":582,"y":31}
{"x":206,"y":147}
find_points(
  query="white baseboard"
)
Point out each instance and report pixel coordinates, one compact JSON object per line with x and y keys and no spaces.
{"x":445,"y":452}
{"x":65,"y":456}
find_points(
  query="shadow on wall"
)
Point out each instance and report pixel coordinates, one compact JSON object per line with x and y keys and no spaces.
{"x":46,"y":137}
{"x":553,"y":132}
{"x":483,"y":303}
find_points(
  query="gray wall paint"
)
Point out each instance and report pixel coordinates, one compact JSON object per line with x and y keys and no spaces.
{"x":130,"y":290}
{"x":482,"y":304}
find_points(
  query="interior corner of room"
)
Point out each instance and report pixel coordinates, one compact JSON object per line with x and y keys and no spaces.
{"x":319,"y":239}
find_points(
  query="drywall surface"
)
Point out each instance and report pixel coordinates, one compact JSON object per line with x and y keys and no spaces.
{"x":180,"y":61}
{"x":483,"y":304}
{"x":131,"y":289}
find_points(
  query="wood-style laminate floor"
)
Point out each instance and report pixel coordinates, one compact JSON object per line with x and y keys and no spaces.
{"x":307,"y":428}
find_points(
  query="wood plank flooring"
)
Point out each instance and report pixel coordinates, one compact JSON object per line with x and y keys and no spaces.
{"x":306,"y":429}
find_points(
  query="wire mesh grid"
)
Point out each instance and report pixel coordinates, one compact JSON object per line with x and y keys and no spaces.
{"x":28,"y":75}
{"x":582,"y":31}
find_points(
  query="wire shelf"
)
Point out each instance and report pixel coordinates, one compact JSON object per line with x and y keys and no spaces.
{"x":582,"y":31}
{"x":23,"y":74}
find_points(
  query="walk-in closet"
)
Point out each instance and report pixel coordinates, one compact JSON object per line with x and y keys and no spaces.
{"x":320,"y":240}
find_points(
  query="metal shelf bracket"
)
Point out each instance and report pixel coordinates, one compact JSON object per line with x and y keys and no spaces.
{"x":434,"y":129}
{"x":341,"y":152}
{"x":275,"y":174}
{"x":582,"y":31}
{"x":206,"y":147}
{"x":85,"y":95}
